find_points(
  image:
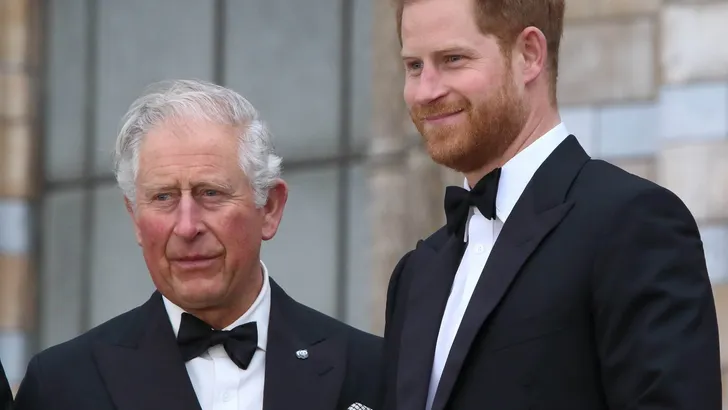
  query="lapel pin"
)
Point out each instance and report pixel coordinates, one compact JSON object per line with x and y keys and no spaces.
{"x":302,"y":354}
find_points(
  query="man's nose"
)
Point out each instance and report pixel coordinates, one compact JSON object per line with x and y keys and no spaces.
{"x":430,"y":87}
{"x":189,"y":222}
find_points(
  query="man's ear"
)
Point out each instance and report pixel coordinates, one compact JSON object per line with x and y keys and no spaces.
{"x":273,"y":209}
{"x":130,"y":210}
{"x":533,"y":49}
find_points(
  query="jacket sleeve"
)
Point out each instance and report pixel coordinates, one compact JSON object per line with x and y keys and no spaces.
{"x":6,"y":396}
{"x":654,"y":314}
{"x":30,"y":396}
{"x":391,"y":336}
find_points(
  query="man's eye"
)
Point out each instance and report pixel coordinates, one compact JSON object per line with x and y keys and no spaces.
{"x":453,"y":59}
{"x":162,"y":197}
{"x":210,"y":192}
{"x":414,"y":66}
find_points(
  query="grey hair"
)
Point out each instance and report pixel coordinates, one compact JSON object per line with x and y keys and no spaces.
{"x":201,"y":100}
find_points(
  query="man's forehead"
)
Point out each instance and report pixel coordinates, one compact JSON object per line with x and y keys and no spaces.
{"x":165,"y":141}
{"x":188,"y":167}
{"x":429,"y":28}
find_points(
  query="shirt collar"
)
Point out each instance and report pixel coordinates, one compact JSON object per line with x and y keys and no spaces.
{"x":517,"y":172}
{"x":258,"y":312}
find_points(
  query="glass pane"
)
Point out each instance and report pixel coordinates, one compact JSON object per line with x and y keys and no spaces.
{"x":283,"y":56}
{"x":60,"y":275}
{"x":66,"y":88}
{"x":302,"y":255}
{"x":119,"y":277}
{"x":142,"y":41}
{"x":361,"y":86}
{"x":14,"y":226}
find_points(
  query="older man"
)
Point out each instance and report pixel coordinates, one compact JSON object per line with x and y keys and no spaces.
{"x":202,"y":187}
{"x":559,"y":281}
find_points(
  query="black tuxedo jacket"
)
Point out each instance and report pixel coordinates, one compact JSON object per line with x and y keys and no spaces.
{"x":595,"y":296}
{"x":132,"y":363}
{"x":6,"y":396}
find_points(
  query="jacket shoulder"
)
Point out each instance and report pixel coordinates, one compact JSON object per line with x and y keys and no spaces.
{"x":330,"y":325}
{"x":79,"y":348}
{"x":603,"y":178}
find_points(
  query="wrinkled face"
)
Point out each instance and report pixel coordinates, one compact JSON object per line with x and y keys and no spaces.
{"x":459,"y":86}
{"x":195,"y":216}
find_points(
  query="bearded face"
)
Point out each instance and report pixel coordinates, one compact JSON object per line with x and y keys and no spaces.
{"x":459,"y":85}
{"x":464,"y":133}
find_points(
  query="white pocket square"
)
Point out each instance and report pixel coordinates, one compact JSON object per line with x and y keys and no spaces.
{"x":358,"y":406}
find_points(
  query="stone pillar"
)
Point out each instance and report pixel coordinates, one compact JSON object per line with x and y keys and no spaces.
{"x":18,"y":146}
{"x":387,"y":170}
{"x":406,"y":186}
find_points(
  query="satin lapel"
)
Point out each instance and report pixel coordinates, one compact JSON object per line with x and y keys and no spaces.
{"x":292,"y":382}
{"x":145,"y":371}
{"x":432,"y":274}
{"x":540,"y":209}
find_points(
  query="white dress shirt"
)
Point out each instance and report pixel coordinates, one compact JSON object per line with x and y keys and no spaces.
{"x":220,"y":384}
{"x":481,"y":234}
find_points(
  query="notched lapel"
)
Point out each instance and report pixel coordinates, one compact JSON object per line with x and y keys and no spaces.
{"x":146,"y":372}
{"x":432,"y":273}
{"x":313,"y":382}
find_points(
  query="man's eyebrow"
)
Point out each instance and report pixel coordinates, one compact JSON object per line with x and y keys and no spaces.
{"x":406,"y":56}
{"x":225,"y":186}
{"x":161,"y":187}
{"x":445,"y":50}
{"x":455,"y":49}
{"x":158,"y":187}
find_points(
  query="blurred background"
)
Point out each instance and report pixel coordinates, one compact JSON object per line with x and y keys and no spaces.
{"x":643,"y":84}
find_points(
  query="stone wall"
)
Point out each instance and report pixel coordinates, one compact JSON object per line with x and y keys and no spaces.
{"x":17,"y":180}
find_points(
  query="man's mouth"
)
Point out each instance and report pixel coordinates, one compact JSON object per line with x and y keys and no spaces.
{"x":194,"y":261}
{"x":442,"y":116}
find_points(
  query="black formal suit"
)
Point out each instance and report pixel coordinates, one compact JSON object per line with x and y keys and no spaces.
{"x":595,"y":296}
{"x":132,"y":362}
{"x":6,"y":396}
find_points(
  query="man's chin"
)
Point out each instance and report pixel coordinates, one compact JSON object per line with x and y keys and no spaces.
{"x":199,"y":300}
{"x":449,"y":157}
{"x":200,"y":292}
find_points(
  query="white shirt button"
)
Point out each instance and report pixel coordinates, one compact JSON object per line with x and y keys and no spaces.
{"x":226,"y":396}
{"x":479,"y":248}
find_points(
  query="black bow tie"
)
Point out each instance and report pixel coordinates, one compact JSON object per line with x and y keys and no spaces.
{"x":459,"y":200}
{"x":195,"y":337}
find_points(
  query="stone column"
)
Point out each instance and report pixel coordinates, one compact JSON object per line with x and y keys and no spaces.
{"x":18,"y":147}
{"x":406,"y":186}
{"x":387,"y":170}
